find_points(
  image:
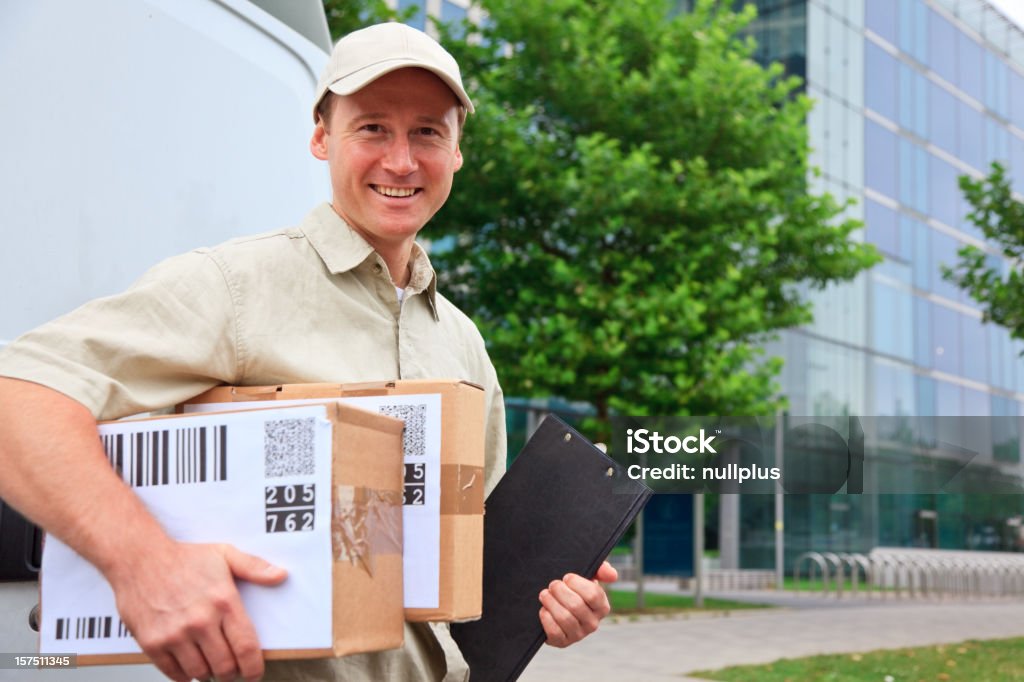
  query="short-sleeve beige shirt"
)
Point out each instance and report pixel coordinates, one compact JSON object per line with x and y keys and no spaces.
{"x":307,"y":304}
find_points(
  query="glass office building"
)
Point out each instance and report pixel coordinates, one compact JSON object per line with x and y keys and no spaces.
{"x":910,"y":94}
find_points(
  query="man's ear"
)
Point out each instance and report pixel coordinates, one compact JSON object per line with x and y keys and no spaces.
{"x":458,"y":157}
{"x":318,"y":143}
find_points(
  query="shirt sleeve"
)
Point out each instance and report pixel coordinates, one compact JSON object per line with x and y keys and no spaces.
{"x":495,"y":440}
{"x":168,"y":337}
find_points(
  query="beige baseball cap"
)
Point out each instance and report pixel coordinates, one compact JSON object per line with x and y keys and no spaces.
{"x":365,"y":55}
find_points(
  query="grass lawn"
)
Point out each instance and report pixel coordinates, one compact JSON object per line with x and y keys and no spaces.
{"x":624,"y":603}
{"x":999,"y":660}
{"x":806,"y":585}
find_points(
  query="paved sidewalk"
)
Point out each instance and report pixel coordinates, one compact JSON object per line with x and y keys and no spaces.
{"x":668,"y":649}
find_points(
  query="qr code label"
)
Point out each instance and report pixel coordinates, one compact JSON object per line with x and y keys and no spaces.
{"x":414,"y":436}
{"x":289,"y":447}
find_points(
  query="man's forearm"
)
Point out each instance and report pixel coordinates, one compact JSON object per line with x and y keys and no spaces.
{"x":56,"y":473}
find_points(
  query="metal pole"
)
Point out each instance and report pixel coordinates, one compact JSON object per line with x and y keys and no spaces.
{"x":780,"y":514}
{"x":698,"y":550}
{"x":639,"y":545}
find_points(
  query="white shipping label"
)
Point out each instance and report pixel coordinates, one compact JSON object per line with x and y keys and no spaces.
{"x":258,"y":480}
{"x":421,"y":510}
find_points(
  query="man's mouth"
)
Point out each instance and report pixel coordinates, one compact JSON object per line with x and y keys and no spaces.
{"x":395,"y":191}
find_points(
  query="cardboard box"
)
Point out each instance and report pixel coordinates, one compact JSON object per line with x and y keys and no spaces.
{"x":461,"y":477}
{"x":194,"y":471}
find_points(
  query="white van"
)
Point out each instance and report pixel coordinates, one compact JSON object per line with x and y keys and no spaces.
{"x":133,"y":130}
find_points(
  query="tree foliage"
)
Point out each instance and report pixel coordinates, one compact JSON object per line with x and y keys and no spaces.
{"x":998,"y":289}
{"x":345,"y":16}
{"x":633,"y":220}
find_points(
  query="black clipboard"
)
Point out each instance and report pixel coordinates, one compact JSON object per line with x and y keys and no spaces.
{"x":561,"y":508}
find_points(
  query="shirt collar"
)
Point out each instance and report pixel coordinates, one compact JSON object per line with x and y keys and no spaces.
{"x":342,"y":249}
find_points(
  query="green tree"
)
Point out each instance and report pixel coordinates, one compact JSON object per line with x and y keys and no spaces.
{"x":633,"y":221}
{"x":998,"y":289}
{"x":345,"y":16}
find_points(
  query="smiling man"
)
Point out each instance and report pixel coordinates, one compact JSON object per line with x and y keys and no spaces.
{"x":346,"y":296}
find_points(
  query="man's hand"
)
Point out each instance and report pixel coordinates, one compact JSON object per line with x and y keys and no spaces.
{"x":181,"y":604}
{"x":574,"y":606}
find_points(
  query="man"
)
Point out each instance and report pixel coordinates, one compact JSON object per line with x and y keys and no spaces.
{"x":346,"y":296}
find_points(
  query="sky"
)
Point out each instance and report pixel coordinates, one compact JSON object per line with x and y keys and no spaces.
{"x":1014,"y":9}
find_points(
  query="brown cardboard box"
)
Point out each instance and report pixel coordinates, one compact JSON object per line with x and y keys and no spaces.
{"x":462,"y":481}
{"x":366,"y":573}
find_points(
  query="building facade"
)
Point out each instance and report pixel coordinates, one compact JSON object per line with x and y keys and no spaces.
{"x":910,"y":95}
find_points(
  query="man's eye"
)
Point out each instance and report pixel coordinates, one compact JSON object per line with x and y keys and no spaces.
{"x":427,"y":131}
{"x":373,"y":128}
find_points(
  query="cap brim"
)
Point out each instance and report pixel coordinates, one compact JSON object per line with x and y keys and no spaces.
{"x":357,"y":81}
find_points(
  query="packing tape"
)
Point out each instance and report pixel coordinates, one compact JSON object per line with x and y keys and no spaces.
{"x":365,"y":523}
{"x":463,"y":489}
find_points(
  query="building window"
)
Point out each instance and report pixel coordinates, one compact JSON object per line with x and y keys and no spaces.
{"x":943,"y":252}
{"x":997,"y":143}
{"x":913,"y":101}
{"x":419,"y":19}
{"x":969,"y":66}
{"x":1017,"y":99}
{"x":945,"y":334}
{"x":913,"y":29}
{"x":892,"y":326}
{"x":880,"y":17}
{"x":913,"y":165}
{"x":880,"y":87}
{"x":996,"y":87}
{"x":948,"y":400}
{"x":971,"y":125}
{"x":881,"y":225}
{"x":894,"y":391}
{"x":1005,"y":429}
{"x":975,"y":344}
{"x":923,"y":349}
{"x":945,"y":191}
{"x":881,"y":158}
{"x":921,"y":261}
{"x":941,"y":39}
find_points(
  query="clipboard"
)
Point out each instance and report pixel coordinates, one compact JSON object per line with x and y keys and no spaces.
{"x":560,"y":508}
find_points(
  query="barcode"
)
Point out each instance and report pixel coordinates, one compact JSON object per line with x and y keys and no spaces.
{"x":414,"y":435}
{"x":289,"y":447}
{"x":91,"y":627}
{"x":169,"y":456}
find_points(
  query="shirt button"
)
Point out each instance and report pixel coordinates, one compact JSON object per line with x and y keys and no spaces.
{"x":378,"y":268}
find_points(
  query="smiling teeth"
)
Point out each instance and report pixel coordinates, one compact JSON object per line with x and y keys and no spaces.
{"x":394,"y":191}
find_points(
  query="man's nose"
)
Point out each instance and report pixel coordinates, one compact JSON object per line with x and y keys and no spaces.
{"x":399,"y":157}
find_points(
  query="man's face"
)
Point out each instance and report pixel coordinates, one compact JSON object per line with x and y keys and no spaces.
{"x":392,"y":149}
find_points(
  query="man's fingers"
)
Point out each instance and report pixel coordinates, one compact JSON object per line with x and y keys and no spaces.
{"x":252,"y":568}
{"x":168,"y":665}
{"x":590,"y":592}
{"x":190,"y":619}
{"x":191,"y":660}
{"x":556,"y":637}
{"x":245,"y":644}
{"x":218,"y":655}
{"x":607,"y":573}
{"x":562,"y":614}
